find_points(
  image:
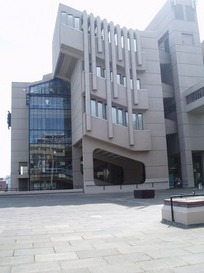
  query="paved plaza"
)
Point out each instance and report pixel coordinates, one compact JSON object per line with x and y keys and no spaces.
{"x":101,"y":233}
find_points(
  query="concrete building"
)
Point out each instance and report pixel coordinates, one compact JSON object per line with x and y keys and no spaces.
{"x":182,"y":73}
{"x":117,"y":111}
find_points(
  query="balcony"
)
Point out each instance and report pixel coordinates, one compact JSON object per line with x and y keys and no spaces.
{"x":195,"y":98}
{"x":66,"y":51}
{"x":143,"y":95}
{"x":142,"y":138}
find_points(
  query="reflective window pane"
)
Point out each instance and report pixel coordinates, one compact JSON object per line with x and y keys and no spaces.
{"x":64,"y":17}
{"x":120,"y":116}
{"x":114,"y":116}
{"x":140,"y":121}
{"x":50,"y":135}
{"x":93,"y":107}
{"x":77,"y":23}
{"x":100,"y":110}
{"x":134,"y":119}
{"x":70,"y":20}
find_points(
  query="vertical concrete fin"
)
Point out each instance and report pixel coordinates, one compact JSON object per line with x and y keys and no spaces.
{"x":134,"y":68}
{"x":114,"y":66}
{"x":108,"y":83}
{"x":99,"y":34}
{"x":128,"y":87}
{"x":120,"y":53}
{"x":93,"y":52}
{"x":86,"y":72}
{"x":139,"y":52}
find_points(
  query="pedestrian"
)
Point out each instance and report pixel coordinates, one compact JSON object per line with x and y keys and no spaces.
{"x":178,"y":182}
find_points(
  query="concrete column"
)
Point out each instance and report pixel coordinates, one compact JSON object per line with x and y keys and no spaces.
{"x":114,"y":67}
{"x":139,"y":52}
{"x":108,"y":82}
{"x":76,"y":167}
{"x":134,"y":68}
{"x":88,"y":168}
{"x":86,"y":72}
{"x":98,"y":23}
{"x":120,"y":53}
{"x":128,"y":88}
{"x":93,"y":52}
{"x":187,"y":168}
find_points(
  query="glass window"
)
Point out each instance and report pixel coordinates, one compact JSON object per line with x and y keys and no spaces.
{"x":128,"y":43}
{"x":140,"y":121}
{"x":138,"y":84}
{"x":122,"y":41}
{"x":70,"y":20}
{"x":131,"y":83}
{"x":135,"y":44}
{"x":93,"y":107}
{"x":77,"y":23}
{"x":105,"y":111}
{"x":90,"y":68}
{"x":109,"y":36}
{"x":126,"y":118}
{"x":111,"y":76}
{"x":114,"y":116}
{"x":134,"y":119}
{"x":98,"y":71}
{"x":120,"y":116}
{"x":102,"y":34}
{"x":103,"y":73}
{"x":190,"y":13}
{"x":108,"y":173}
{"x":124,"y":81}
{"x":179,"y":14}
{"x":166,"y":45}
{"x":100,"y":109}
{"x":118,"y":78}
{"x":50,"y":124}
{"x":64,"y":17}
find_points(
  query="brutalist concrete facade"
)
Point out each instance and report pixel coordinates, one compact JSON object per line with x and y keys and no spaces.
{"x":176,"y":24}
{"x":122,"y":120}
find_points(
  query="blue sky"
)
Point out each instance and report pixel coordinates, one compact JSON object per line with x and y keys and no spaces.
{"x":26,"y":30}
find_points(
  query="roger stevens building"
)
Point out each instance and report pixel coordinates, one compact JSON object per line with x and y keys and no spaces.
{"x":123,"y":109}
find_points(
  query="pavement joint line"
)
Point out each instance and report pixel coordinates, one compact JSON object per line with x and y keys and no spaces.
{"x":122,"y":227}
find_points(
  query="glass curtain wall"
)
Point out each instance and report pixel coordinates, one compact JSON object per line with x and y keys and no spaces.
{"x":50,"y":135}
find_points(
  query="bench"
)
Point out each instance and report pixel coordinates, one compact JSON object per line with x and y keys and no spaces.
{"x":187,"y":211}
{"x":144,"y":193}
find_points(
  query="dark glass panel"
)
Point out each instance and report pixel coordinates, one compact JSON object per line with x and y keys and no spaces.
{"x":50,"y":136}
{"x":108,"y":172}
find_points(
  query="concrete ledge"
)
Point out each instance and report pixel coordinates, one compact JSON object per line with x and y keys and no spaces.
{"x":16,"y":193}
{"x":186,"y":211}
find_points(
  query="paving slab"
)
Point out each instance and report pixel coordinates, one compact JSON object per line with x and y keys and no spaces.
{"x":101,"y":233}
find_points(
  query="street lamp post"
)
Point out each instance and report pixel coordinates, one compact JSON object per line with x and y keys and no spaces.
{"x":52,"y":169}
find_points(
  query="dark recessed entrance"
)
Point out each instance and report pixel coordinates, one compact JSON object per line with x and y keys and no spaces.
{"x":113,"y":169}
